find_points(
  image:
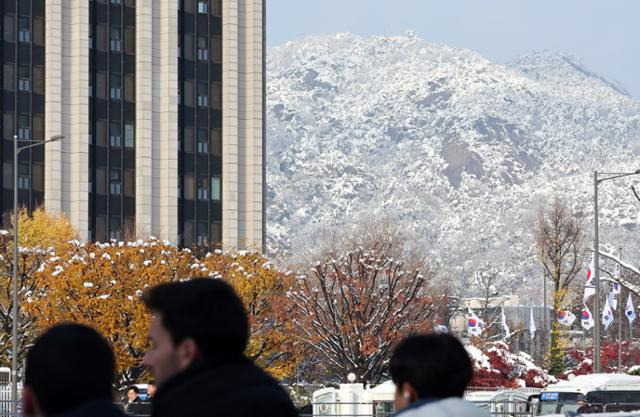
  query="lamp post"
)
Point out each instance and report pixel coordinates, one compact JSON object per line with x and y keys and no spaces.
{"x":596,"y":255}
{"x":14,"y":336}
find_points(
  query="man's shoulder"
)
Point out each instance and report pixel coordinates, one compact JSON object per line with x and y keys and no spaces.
{"x":236,"y":387}
{"x":448,"y":407}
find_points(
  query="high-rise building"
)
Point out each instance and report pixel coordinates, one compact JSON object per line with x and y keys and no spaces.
{"x":161,"y":103}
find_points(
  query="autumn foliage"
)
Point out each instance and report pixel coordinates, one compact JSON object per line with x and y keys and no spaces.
{"x":352,"y":308}
{"x":495,"y":365}
{"x":580,"y":361}
{"x":40,"y":235}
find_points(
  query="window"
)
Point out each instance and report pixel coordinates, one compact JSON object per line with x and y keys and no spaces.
{"x":202,"y":237}
{"x":9,"y":29}
{"x":24,"y":30}
{"x":24,"y":78}
{"x":115,"y":134}
{"x":129,"y":88}
{"x":115,"y":228}
{"x":38,"y":80}
{"x":115,"y":87}
{"x":115,"y":40}
{"x":101,"y":37}
{"x":216,"y":142}
{"x":189,"y":187}
{"x":101,"y":85}
{"x":203,"y":189}
{"x":38,"y":31}
{"x":188,"y":46}
{"x":129,"y":136}
{"x":101,"y":132}
{"x":38,"y":177}
{"x":216,"y":233}
{"x":130,"y":40}
{"x":189,"y":94}
{"x":216,"y":95}
{"x":116,"y":2}
{"x":9,"y":80}
{"x":129,"y":183}
{"x":188,"y":233}
{"x":216,"y":49}
{"x":203,"y":141}
{"x":203,"y":50}
{"x":203,"y":95}
{"x":115,"y":182}
{"x":203,"y":6}
{"x":215,"y":188}
{"x":101,"y":181}
{"x":24,"y":127}
{"x":23,"y":176}
{"x":37,"y":126}
{"x":90,"y":39}
{"x":215,"y":8}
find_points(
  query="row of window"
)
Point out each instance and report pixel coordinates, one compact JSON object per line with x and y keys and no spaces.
{"x":208,"y":95}
{"x":115,"y":134}
{"x":26,"y":32}
{"x":25,"y":126}
{"x":213,"y":7}
{"x":26,"y":174}
{"x":205,"y":189}
{"x":27,"y":81}
{"x":202,"y":51}
{"x":115,"y":39}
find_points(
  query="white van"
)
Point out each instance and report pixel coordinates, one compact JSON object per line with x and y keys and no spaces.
{"x":355,"y":400}
{"x":605,"y":392}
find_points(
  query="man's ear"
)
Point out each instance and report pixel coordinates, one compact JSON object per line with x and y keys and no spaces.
{"x":409,"y":393}
{"x":187,"y":353}
{"x":30,"y":407}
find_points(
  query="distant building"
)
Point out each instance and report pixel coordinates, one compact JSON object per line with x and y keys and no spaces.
{"x":162,"y":106}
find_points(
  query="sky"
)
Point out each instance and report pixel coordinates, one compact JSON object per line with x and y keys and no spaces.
{"x":603,"y":34}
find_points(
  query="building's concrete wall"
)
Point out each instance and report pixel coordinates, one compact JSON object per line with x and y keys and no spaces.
{"x":157,"y":119}
{"x":67,"y":111}
{"x":242,"y":177}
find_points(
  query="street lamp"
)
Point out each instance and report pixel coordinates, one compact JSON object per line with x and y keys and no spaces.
{"x":596,"y":255}
{"x":14,"y":360}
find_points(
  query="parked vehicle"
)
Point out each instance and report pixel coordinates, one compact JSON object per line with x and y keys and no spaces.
{"x":605,"y":392}
{"x":354,"y":400}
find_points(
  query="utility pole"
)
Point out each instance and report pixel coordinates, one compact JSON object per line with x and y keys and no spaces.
{"x":596,"y":263}
{"x":619,"y":306}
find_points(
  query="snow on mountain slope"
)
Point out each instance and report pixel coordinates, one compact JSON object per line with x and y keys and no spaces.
{"x":459,"y":150}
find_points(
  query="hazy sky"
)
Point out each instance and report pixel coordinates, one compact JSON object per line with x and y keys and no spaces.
{"x":604,"y":34}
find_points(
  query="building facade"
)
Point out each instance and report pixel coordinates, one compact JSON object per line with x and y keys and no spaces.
{"x":161,"y":103}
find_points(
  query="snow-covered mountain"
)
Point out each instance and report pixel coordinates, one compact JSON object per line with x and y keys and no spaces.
{"x":458,"y":149}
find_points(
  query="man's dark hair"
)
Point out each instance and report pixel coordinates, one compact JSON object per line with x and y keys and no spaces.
{"x":69,"y":355}
{"x":436,"y":365}
{"x":207,"y":310}
{"x":134,"y":388}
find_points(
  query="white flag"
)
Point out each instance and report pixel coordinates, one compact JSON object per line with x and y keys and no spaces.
{"x":587,"y":319}
{"x":630,"y":312}
{"x":614,"y":292}
{"x":590,"y":285}
{"x":566,"y":318}
{"x":505,"y":326}
{"x":607,"y":315}
{"x":474,"y":324}
{"x":532,"y":325}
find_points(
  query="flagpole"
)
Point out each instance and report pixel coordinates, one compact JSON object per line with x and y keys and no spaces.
{"x":619,"y":318}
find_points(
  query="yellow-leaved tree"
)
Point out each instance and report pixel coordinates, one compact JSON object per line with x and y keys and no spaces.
{"x":39,"y":235}
{"x":262,"y":288}
{"x":100,"y":284}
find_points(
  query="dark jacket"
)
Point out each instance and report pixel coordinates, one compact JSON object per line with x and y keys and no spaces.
{"x":95,"y":408}
{"x":225,"y":386}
